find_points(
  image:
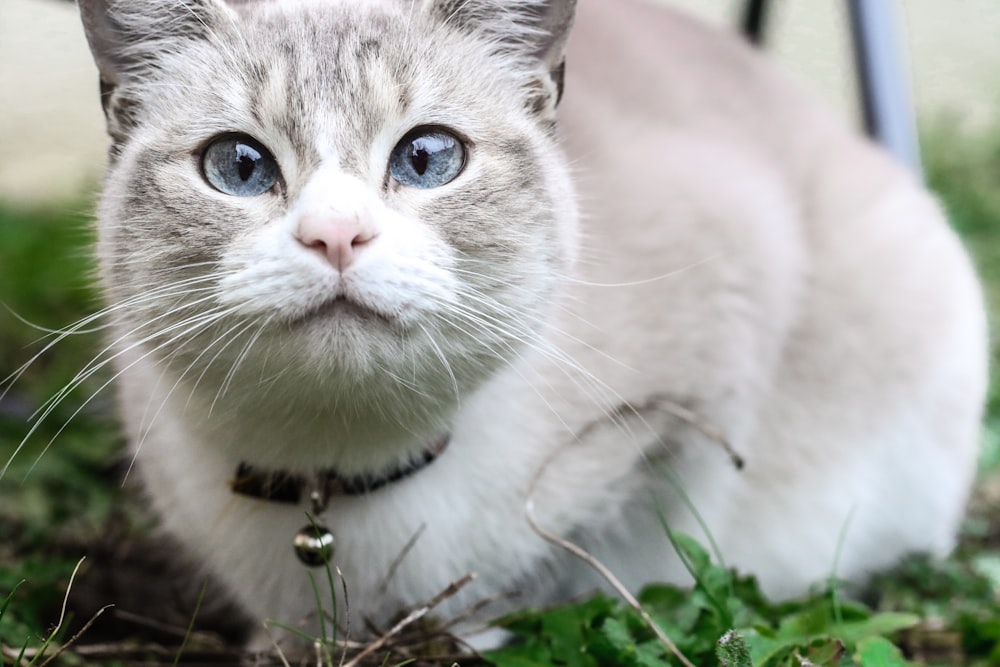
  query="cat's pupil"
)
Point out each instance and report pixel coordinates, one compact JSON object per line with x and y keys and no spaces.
{"x":246,"y":161}
{"x":419,"y":158}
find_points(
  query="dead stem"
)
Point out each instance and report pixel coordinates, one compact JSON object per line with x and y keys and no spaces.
{"x":411,"y":618}
{"x":602,"y":569}
{"x":76,"y":637}
{"x":693,"y":419}
{"x":277,"y":647}
{"x":400,"y":557}
{"x":347,"y":612}
{"x":35,"y":654}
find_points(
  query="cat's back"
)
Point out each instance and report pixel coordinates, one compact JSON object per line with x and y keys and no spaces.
{"x":663,"y":113}
{"x":696,"y":154}
{"x":782,"y":274}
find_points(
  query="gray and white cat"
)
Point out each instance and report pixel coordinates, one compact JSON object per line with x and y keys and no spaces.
{"x":367,"y":262}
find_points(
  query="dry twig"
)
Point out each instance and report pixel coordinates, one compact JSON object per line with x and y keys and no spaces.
{"x":76,"y":637}
{"x":277,"y":647}
{"x":608,"y":575}
{"x":693,"y":419}
{"x":411,"y":618}
{"x":400,"y":557}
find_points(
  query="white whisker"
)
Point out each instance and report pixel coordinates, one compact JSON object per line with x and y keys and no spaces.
{"x":203,"y":321}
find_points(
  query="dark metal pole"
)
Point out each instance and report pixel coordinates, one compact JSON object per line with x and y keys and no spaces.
{"x":884,"y":80}
{"x":755,"y":20}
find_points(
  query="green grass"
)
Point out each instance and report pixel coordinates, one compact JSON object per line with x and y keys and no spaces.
{"x":965,"y":172}
{"x":65,"y":500}
{"x":942,"y":613}
{"x":45,"y":279}
{"x":824,"y":628}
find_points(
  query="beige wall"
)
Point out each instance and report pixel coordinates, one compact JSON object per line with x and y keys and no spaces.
{"x":51,"y":133}
{"x":954,"y":50}
{"x":52,"y":143}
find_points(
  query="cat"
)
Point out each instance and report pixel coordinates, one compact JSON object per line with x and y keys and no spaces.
{"x":406,"y":286}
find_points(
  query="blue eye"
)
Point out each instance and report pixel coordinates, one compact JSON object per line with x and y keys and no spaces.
{"x":239,"y":165}
{"x":427,"y":157}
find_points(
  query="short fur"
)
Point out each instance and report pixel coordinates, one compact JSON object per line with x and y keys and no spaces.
{"x":737,"y":253}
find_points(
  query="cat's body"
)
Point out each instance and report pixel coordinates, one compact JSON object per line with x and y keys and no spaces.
{"x":738,"y":254}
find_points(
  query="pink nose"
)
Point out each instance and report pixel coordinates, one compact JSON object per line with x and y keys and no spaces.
{"x":338,"y":237}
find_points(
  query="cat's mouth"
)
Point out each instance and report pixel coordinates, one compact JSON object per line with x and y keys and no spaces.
{"x":342,"y":307}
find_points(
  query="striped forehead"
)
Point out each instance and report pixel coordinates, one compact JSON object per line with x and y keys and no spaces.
{"x":320,"y":77}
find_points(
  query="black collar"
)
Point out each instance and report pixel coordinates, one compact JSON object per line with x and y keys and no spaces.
{"x":281,"y":486}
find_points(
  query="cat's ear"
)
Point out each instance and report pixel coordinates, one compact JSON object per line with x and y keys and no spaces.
{"x":127,"y":38}
{"x":534,"y":30}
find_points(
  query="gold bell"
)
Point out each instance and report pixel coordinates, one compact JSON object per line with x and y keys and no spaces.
{"x":314,"y":545}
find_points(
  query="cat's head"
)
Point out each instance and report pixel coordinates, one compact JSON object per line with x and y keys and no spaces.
{"x":356,"y":192}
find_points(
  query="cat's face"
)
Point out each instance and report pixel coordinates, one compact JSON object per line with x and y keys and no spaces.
{"x":355,"y":190}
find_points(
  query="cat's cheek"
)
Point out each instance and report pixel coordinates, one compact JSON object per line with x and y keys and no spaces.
{"x":410,"y":282}
{"x":269,"y":273}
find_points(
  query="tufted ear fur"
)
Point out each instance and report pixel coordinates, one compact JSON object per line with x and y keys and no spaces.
{"x":535,"y":31}
{"x":130,"y":38}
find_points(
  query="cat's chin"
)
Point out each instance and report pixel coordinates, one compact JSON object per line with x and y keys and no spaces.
{"x":344,"y":341}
